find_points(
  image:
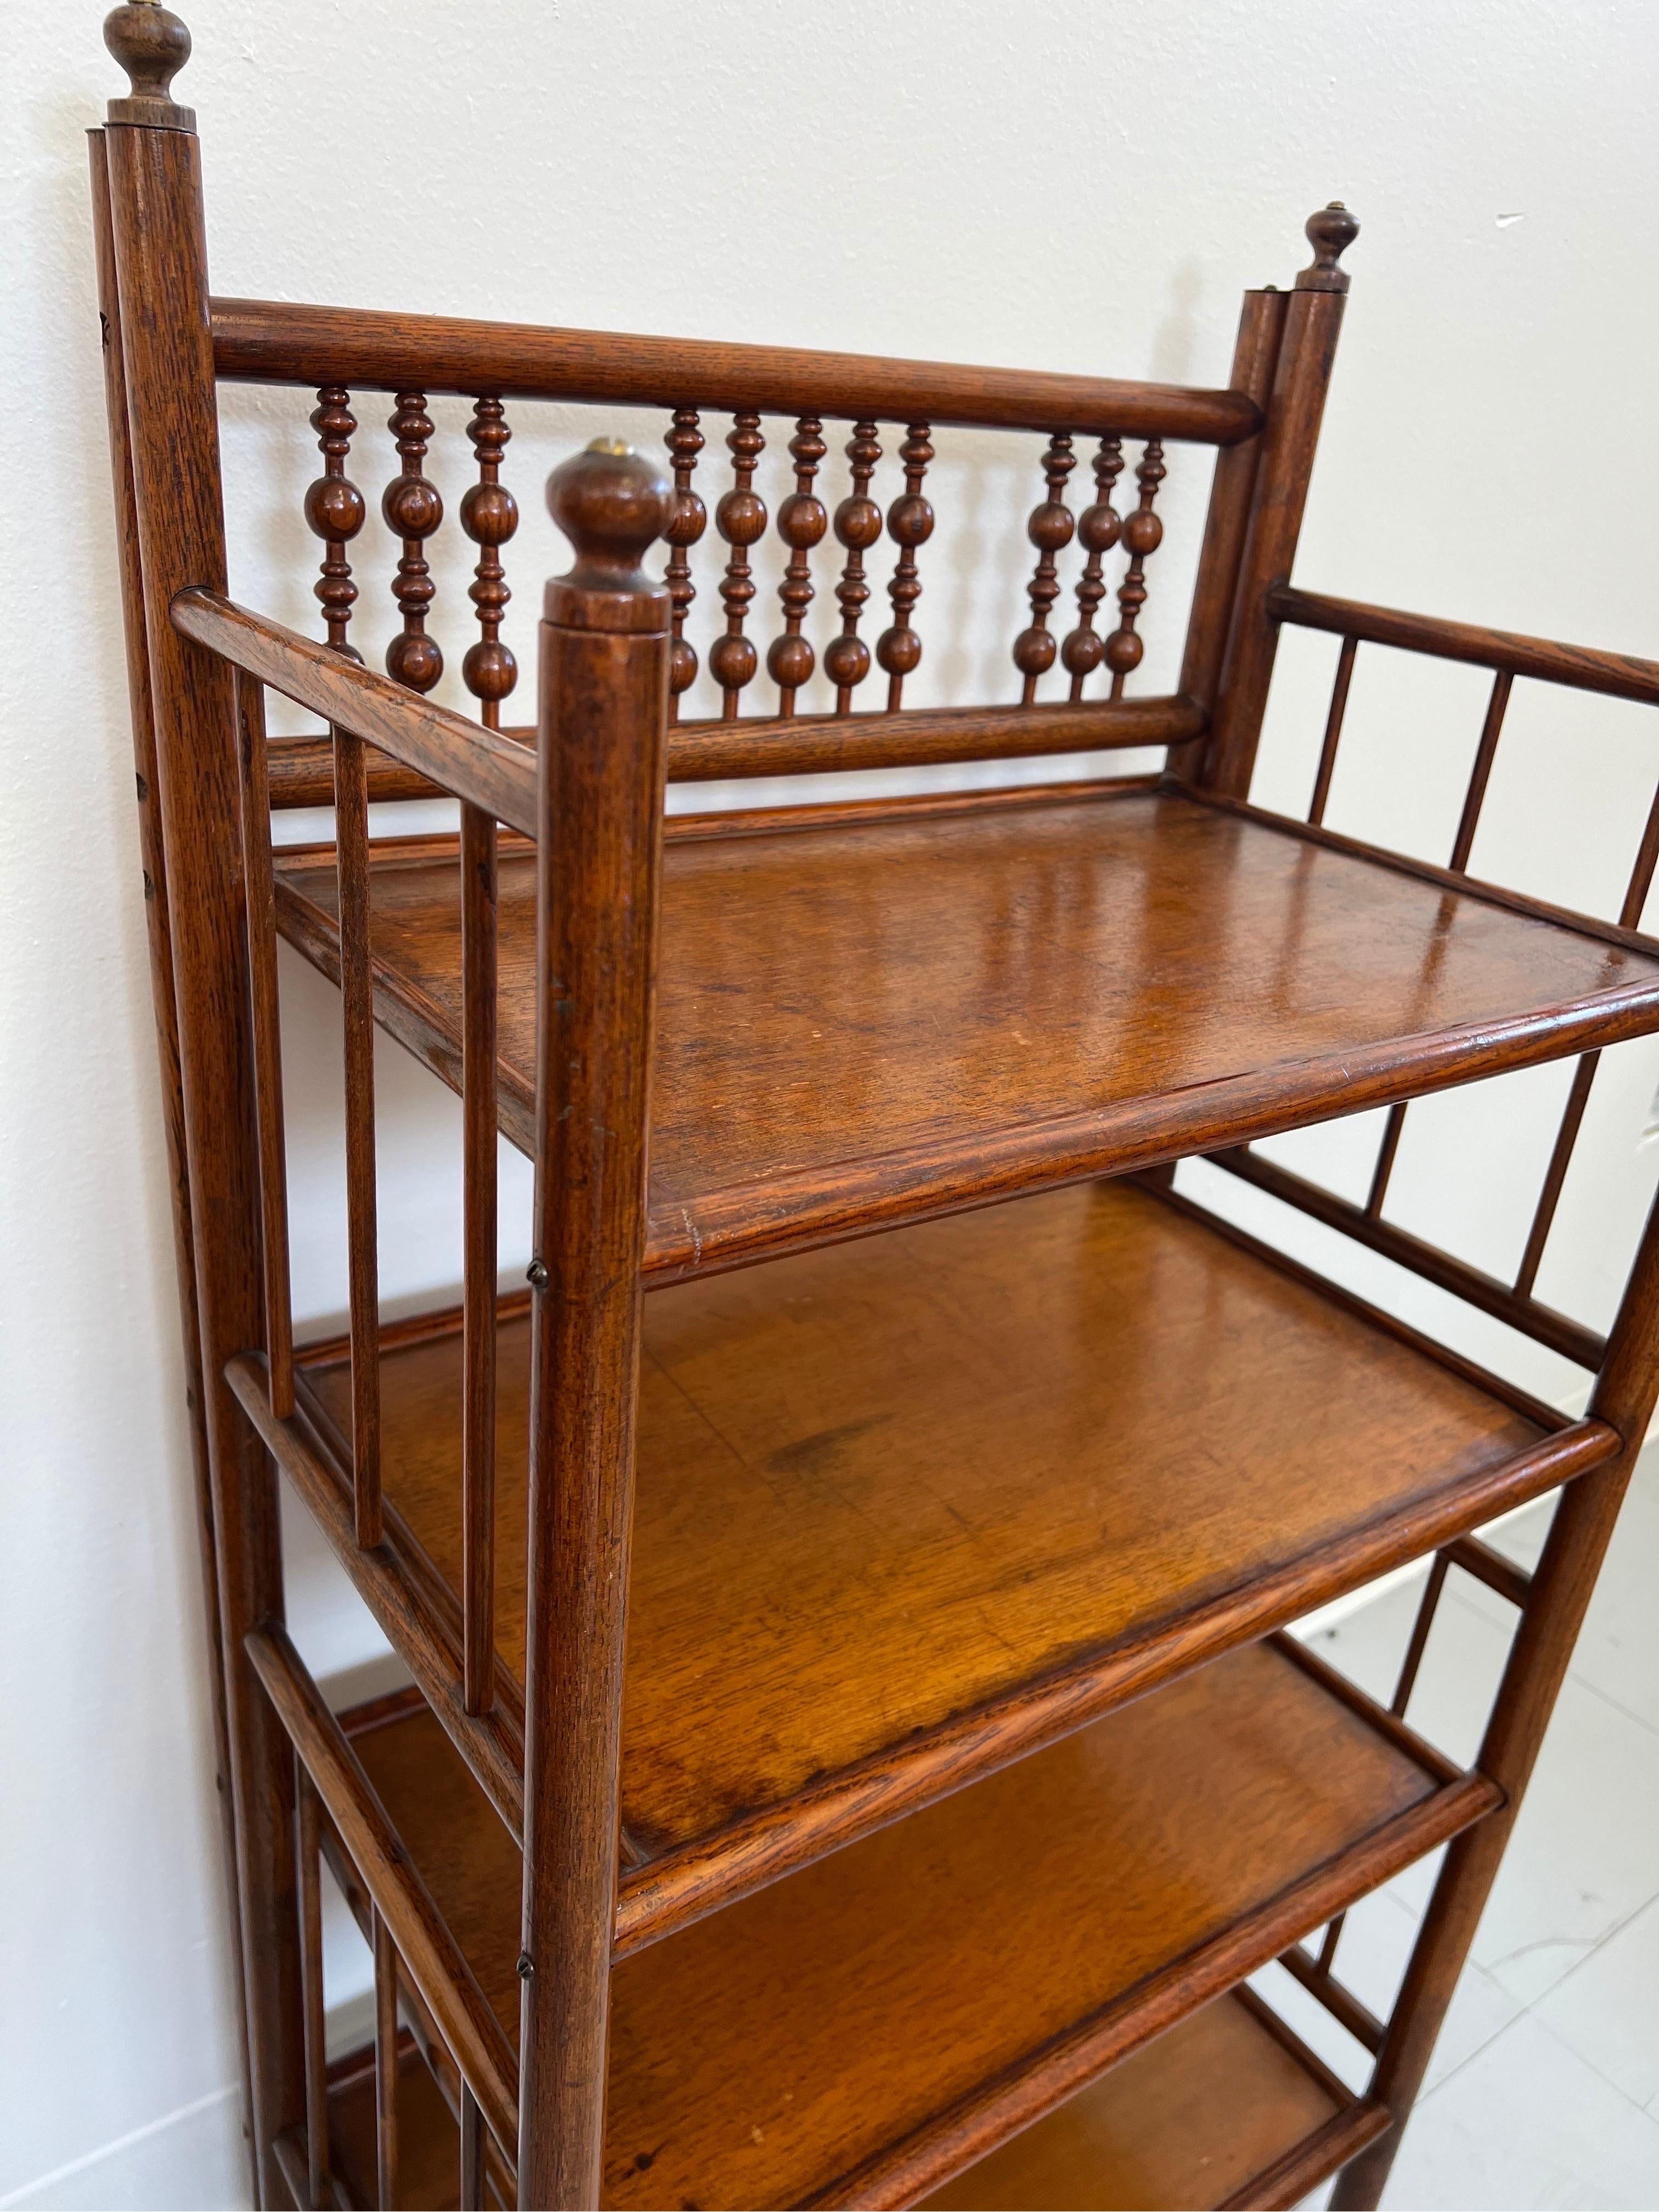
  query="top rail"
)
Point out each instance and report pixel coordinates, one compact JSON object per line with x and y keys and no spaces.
{"x":1583,"y":667}
{"x":474,"y":764}
{"x":274,"y":342}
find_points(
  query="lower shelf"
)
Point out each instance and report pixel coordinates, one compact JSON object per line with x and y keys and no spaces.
{"x":1226,"y":2109}
{"x":865,"y":2029}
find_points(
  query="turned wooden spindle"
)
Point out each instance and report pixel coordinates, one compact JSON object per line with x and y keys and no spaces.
{"x":1098,"y":528}
{"x":909,"y":524}
{"x":413,"y":511}
{"x":1142,"y":534}
{"x":1330,"y":231}
{"x":857,"y":526}
{"x":688,"y":518}
{"x":1050,"y":530}
{"x":802,"y":521}
{"x":152,"y":46}
{"x":740,"y":518}
{"x":335,"y":512}
{"x":489,"y":515}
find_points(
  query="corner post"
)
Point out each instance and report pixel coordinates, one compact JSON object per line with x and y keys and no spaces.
{"x":1301,"y":375}
{"x":603,"y":714}
{"x":160,"y":264}
{"x":1562,"y":1585}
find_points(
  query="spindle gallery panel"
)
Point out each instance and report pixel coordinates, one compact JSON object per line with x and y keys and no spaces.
{"x":815,"y":563}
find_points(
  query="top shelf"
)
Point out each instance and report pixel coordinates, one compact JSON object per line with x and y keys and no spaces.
{"x":868,"y":1014}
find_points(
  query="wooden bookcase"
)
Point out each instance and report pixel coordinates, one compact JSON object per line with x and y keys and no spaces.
{"x":854,"y":1753}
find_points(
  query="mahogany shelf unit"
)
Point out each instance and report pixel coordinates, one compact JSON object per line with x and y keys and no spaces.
{"x":854,"y":1750}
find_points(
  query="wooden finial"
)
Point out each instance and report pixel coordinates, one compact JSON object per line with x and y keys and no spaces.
{"x":152,"y":46}
{"x":1330,"y":231}
{"x":612,"y":504}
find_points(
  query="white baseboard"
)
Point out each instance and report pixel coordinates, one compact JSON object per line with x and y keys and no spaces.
{"x":194,"y":2160}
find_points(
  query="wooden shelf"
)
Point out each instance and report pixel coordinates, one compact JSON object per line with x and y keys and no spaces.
{"x":895,"y":1014}
{"x":864,"y":2029}
{"x":909,"y":1505}
{"x":1228,"y":2108}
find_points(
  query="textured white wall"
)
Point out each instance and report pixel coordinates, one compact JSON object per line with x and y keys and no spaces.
{"x":1084,"y":186}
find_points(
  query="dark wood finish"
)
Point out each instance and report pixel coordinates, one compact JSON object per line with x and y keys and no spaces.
{"x":1142,"y":534}
{"x":276,"y":341}
{"x":909,"y":524}
{"x":412,"y":510}
{"x":335,"y":512}
{"x":1543,"y":1323}
{"x":1558,"y":1595}
{"x":1098,"y":529}
{"x":260,"y":900}
{"x":1555,"y":1175}
{"x":1232,"y":492}
{"x":362,"y":1242}
{"x":1486,"y":753}
{"x":418,"y":1937}
{"x":1050,"y":530}
{"x":802,"y":521}
{"x":1582,"y":667}
{"x":1302,"y":373}
{"x":308,"y":1847}
{"x":1387,"y":1152}
{"x":426,"y":2146}
{"x":158,"y":930}
{"x":859,"y":525}
{"x":1172,"y":974}
{"x":156,"y":224}
{"x":604,"y":655}
{"x":302,"y":768}
{"x":475,"y":764}
{"x":1338,"y":707}
{"x":688,"y":519}
{"x":1192,"y":2120}
{"x":386,"y":2060}
{"x":836,"y":2038}
{"x":740,"y":519}
{"x":836,"y":1426}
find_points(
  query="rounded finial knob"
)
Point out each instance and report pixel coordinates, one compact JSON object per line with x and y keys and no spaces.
{"x":152,"y":46}
{"x":612,"y":504}
{"x":1330,"y":231}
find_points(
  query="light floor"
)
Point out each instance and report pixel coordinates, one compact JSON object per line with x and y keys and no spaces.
{"x":1545,"y":2088}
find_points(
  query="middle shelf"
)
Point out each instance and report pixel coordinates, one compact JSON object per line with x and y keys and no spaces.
{"x":910,"y":1506}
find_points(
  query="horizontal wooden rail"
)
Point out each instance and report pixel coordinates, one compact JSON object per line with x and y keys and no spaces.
{"x":1477,"y":1557}
{"x":434,"y":1961}
{"x":464,"y":758}
{"x":276,"y":342}
{"x":1541,"y":1322}
{"x":1582,"y":667}
{"x":301,"y":770}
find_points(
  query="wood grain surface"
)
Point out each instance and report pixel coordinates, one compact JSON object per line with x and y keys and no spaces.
{"x":863,"y":1023}
{"x":760,"y":2055}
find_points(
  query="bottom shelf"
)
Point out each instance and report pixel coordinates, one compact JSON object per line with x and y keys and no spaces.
{"x":1227,"y":2109}
{"x":864,"y":2030}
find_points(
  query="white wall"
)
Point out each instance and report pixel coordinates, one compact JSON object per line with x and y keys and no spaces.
{"x":1079,"y":186}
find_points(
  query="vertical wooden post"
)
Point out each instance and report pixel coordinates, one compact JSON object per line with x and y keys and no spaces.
{"x":159,"y":253}
{"x":604,"y":657}
{"x":1550,"y":1620}
{"x":1232,"y":491}
{"x":158,"y":927}
{"x":1302,"y":375}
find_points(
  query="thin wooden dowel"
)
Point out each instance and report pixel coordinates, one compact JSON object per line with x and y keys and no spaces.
{"x":259,"y":895}
{"x":357,"y":998}
{"x":1481,"y":774}
{"x":386,"y":2059}
{"x":1490,"y":1567}
{"x":307,"y":1854}
{"x":1555,"y":1175}
{"x":1641,"y":881}
{"x":472,"y":2153}
{"x":1321,"y":790}
{"x":1385,"y":1159}
{"x":478,"y":987}
{"x":1421,"y":1627}
{"x":1327,"y":1949}
{"x":1337,"y":1998}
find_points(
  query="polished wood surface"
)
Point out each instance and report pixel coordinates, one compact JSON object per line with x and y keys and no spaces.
{"x":1186,"y":2122}
{"x":806,"y":2033}
{"x":858,"y":1023}
{"x":892,"y":1483}
{"x":278,"y":341}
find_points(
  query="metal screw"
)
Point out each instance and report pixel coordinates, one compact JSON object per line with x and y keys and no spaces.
{"x":536,"y":1275}
{"x":526,"y":1966}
